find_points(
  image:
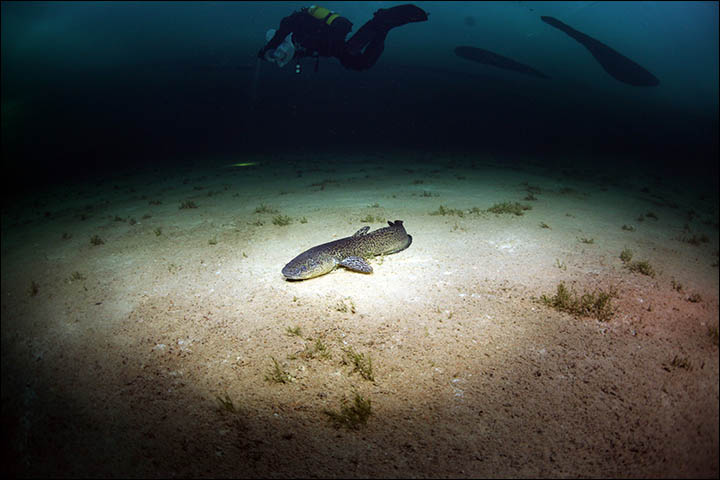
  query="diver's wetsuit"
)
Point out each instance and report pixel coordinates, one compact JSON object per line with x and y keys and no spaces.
{"x":313,"y":36}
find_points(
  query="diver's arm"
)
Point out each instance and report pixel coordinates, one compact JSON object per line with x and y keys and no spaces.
{"x":286,"y":26}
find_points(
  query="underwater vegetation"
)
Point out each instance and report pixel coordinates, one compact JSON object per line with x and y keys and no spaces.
{"x":597,"y":304}
{"x":277,"y":374}
{"x":360,"y":363}
{"x":325,"y":182}
{"x":681,"y":362}
{"x":371,"y":219}
{"x":712,"y":332}
{"x":695,"y":239}
{"x":226,"y":403}
{"x":428,"y":194}
{"x":642,"y":266}
{"x":96,"y":240}
{"x":503,"y":208}
{"x":75,"y":276}
{"x":531,"y":188}
{"x":266,"y":209}
{"x":340,"y":306}
{"x":694,"y":298}
{"x":351,"y":415}
{"x":513,"y":208}
{"x":281,"y":220}
{"x":129,"y":220}
{"x":443,"y":210}
{"x":319,"y":349}
{"x":293,"y":331}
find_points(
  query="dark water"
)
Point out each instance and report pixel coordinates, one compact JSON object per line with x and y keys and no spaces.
{"x":97,"y":88}
{"x":165,"y":96}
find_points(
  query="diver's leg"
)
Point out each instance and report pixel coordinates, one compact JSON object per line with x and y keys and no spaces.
{"x":382,"y":21}
{"x":364,"y":48}
{"x":368,"y":57}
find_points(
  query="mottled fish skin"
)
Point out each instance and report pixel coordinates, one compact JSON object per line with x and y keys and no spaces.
{"x":349,"y":252}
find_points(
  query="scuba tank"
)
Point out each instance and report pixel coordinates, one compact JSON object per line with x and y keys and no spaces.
{"x":322,"y":13}
{"x":328,"y":17}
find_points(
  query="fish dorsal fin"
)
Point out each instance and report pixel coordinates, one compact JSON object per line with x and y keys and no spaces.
{"x":362,"y":231}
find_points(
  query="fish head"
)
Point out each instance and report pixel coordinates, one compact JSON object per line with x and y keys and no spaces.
{"x":308,"y":265}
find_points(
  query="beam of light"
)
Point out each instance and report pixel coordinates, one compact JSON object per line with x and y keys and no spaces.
{"x":243,"y":164}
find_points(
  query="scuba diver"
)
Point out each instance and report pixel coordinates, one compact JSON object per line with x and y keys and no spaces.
{"x":317,"y":32}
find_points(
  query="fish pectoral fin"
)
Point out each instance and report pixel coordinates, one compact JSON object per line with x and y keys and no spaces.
{"x":357,"y":264}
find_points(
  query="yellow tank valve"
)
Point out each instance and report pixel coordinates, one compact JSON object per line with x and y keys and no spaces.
{"x":322,"y":13}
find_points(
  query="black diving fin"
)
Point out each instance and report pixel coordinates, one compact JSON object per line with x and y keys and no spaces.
{"x":400,"y":15}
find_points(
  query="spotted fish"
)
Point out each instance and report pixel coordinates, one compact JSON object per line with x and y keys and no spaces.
{"x":349,"y":252}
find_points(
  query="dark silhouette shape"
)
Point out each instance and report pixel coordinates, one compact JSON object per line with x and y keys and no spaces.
{"x":487,"y":57}
{"x":617,"y":65}
{"x":319,"y":32}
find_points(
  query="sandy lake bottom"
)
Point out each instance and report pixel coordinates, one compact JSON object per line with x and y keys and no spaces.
{"x":176,"y":348}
